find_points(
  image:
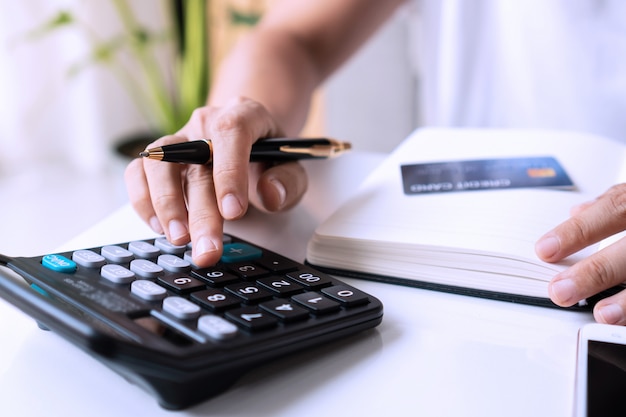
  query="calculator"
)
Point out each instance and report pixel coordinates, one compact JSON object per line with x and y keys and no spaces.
{"x":183,"y":333}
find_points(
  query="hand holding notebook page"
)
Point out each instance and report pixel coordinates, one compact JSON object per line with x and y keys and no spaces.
{"x":473,"y":234}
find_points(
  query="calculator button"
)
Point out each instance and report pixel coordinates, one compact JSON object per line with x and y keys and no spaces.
{"x":316,"y":303}
{"x":59,"y":263}
{"x":181,"y":283}
{"x":145,"y":268}
{"x":309,"y":278}
{"x":215,"y":300}
{"x":143,"y":249}
{"x":247,"y":270}
{"x":188,"y":256}
{"x":250,"y":293}
{"x":277,"y":263}
{"x":117,"y":274}
{"x":285,"y":310}
{"x":117,"y":254}
{"x":251,"y":318}
{"x":88,"y":258}
{"x":346,"y":296}
{"x":240,"y":252}
{"x":181,"y":308}
{"x":216,"y":327}
{"x":173,"y":263}
{"x":164,"y":244}
{"x":280,"y":285}
{"x":215,"y":277}
{"x":147,"y":290}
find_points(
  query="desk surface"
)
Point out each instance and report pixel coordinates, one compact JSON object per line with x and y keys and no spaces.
{"x":435,"y":354}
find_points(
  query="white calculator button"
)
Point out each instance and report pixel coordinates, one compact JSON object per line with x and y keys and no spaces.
{"x":147,"y":290}
{"x":216,"y":327}
{"x":181,"y":308}
{"x":173,"y":263}
{"x":116,"y":254}
{"x":117,"y":274}
{"x":163,"y":244}
{"x":145,"y":268}
{"x":88,"y":258}
{"x":188,"y":257}
{"x":143,"y":249}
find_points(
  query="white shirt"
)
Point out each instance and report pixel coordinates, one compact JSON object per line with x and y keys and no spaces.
{"x":522,"y":63}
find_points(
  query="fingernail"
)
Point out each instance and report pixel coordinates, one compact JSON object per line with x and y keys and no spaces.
{"x":281,"y":190}
{"x":610,"y":314}
{"x":231,"y":207}
{"x":204,"y":245}
{"x":563,"y":291}
{"x":177,"y":230}
{"x":547,"y":247}
{"x":155,"y":225}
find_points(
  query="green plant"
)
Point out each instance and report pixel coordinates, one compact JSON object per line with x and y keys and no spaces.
{"x":147,"y":84}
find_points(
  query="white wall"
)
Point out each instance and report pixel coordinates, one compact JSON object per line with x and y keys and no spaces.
{"x":371,"y":101}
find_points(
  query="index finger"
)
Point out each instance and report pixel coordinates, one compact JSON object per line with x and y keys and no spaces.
{"x":596,"y":221}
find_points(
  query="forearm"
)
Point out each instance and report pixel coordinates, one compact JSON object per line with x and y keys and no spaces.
{"x":294,"y":48}
{"x":274,"y":70}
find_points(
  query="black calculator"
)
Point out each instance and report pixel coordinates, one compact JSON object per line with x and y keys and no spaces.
{"x":183,"y":333}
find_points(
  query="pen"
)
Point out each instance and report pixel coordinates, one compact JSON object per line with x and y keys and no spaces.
{"x":264,"y":150}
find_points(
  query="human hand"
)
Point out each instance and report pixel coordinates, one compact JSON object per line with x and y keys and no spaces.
{"x":590,"y":223}
{"x":190,"y":202}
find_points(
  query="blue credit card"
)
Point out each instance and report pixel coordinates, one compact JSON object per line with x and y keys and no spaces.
{"x":484,"y":174}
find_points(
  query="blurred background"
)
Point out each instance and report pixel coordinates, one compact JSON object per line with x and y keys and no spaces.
{"x":85,"y":84}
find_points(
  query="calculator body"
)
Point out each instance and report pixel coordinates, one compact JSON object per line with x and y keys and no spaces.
{"x":203,"y":330}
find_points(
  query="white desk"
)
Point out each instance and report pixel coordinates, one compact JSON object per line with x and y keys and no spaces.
{"x":435,"y":354}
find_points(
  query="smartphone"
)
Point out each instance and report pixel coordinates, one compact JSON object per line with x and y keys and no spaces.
{"x":601,"y":371}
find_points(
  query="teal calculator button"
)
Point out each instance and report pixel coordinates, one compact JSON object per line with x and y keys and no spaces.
{"x":59,"y":263}
{"x":240,"y":252}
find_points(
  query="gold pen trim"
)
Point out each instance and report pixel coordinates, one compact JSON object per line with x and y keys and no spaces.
{"x":208,"y":142}
{"x":153,"y":153}
{"x":335,"y":148}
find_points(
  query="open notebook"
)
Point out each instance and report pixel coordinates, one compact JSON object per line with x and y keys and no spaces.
{"x":468,"y":235}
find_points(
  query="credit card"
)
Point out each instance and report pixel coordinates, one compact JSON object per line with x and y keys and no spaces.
{"x":485,"y":174}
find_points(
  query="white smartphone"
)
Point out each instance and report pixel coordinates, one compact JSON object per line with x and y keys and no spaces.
{"x":601,"y":371}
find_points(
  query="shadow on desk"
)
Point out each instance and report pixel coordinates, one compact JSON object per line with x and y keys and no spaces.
{"x":280,"y":385}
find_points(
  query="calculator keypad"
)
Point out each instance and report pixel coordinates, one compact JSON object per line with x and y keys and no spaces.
{"x":249,"y":290}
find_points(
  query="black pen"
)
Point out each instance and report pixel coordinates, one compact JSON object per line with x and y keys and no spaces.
{"x":264,"y":150}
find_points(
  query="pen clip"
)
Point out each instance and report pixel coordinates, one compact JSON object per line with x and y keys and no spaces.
{"x":321,"y":151}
